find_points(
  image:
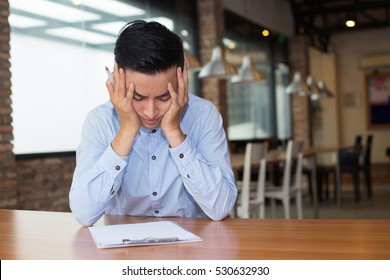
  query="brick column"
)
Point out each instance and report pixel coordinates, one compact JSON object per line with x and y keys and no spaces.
{"x":211,"y":31}
{"x":8,"y":182}
{"x":299,"y":61}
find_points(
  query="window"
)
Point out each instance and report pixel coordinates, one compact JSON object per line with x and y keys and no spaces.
{"x":258,"y":110}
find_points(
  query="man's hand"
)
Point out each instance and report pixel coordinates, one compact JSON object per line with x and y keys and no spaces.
{"x":122,"y":100}
{"x":170,"y":124}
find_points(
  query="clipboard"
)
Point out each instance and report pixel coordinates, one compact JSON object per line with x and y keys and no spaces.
{"x":141,"y":234}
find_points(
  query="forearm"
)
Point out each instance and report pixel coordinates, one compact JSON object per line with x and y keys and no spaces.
{"x":124,"y":140}
{"x":94,"y":186}
{"x":214,"y":193}
{"x":211,"y":185}
{"x":175,"y":138}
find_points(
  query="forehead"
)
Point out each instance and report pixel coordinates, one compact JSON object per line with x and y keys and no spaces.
{"x":151,"y":85}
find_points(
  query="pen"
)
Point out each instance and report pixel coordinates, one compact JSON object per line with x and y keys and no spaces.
{"x":109,"y":74}
{"x":149,"y":240}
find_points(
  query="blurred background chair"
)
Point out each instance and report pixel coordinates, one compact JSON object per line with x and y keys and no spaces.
{"x":291,"y":186}
{"x":365,"y":165}
{"x":351,"y":161}
{"x":250,"y":202}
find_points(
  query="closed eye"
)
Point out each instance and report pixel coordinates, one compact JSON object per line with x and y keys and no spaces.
{"x":138,"y":97}
{"x":164,"y":97}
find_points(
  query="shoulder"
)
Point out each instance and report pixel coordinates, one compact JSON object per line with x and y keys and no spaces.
{"x":105,"y":110}
{"x":200,"y":104}
{"x":200,"y":112}
{"x":102,"y":116}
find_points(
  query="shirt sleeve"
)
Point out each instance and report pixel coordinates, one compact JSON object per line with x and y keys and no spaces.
{"x":205,"y":168}
{"x":98,"y":174}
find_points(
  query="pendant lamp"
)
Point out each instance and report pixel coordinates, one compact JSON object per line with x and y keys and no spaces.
{"x":323,"y":92}
{"x":248,"y":72}
{"x":297,"y":86}
{"x":312,"y":87}
{"x":217,"y":67}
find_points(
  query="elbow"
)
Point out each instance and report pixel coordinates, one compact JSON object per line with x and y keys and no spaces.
{"x":83,"y":220}
{"x":82,"y":215}
{"x":220,"y":214}
{"x":217,"y":218}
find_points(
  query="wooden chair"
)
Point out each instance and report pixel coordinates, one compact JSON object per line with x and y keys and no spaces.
{"x":365,"y":166}
{"x":250,"y":202}
{"x":349,"y":161}
{"x":291,"y":186}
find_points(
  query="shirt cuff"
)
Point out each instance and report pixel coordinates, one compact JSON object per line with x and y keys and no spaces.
{"x":112,"y":162}
{"x":184,"y":154}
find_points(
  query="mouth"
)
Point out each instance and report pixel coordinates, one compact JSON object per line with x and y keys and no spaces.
{"x":151,"y":122}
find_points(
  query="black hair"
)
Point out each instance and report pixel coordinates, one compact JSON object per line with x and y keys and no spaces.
{"x":148,"y":47}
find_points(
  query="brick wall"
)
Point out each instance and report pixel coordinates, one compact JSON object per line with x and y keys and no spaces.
{"x":299,"y":61}
{"x":43,"y":183}
{"x":211,"y":30}
{"x":7,"y":160}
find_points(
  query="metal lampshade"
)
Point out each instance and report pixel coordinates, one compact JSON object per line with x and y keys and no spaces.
{"x":297,"y":86}
{"x":217,"y":67}
{"x":248,"y":72}
{"x":312,"y":87}
{"x":323,"y":92}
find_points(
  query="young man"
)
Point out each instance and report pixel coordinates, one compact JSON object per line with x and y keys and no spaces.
{"x":153,"y":149}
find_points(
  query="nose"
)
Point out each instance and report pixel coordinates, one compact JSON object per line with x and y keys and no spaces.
{"x":151,"y":110}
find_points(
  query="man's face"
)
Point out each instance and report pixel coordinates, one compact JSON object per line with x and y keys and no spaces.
{"x":151,"y":96}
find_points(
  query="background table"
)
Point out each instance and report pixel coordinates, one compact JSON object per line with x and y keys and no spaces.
{"x":54,"y":235}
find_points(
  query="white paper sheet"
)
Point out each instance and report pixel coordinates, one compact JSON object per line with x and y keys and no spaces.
{"x":141,"y":234}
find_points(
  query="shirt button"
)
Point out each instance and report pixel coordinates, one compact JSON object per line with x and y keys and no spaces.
{"x":188,"y":176}
{"x":154,"y":193}
{"x":156,"y":211}
{"x":181,"y":155}
{"x":153,"y":157}
{"x":117,"y":167}
{"x":154,"y":130}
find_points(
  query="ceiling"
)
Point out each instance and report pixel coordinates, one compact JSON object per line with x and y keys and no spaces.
{"x":320,"y":19}
{"x":81,"y":22}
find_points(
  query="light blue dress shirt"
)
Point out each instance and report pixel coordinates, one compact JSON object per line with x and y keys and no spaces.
{"x":194,"y":179}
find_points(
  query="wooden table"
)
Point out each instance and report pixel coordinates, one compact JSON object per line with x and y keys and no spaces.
{"x":54,"y":235}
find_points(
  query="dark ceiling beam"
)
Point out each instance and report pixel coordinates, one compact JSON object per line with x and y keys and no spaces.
{"x":321,"y":10}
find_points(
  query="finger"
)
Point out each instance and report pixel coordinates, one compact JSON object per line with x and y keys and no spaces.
{"x":183,"y":84}
{"x":173,"y":93}
{"x":185,"y":77}
{"x":115,"y":87}
{"x":185,"y":73}
{"x":109,"y":87}
{"x":130,"y":91}
{"x":122,"y":84}
{"x":180,"y":85}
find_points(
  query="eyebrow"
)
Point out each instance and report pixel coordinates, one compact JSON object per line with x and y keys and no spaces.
{"x":165,"y":94}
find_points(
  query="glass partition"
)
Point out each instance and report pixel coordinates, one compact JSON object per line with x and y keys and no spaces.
{"x":258,"y":110}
